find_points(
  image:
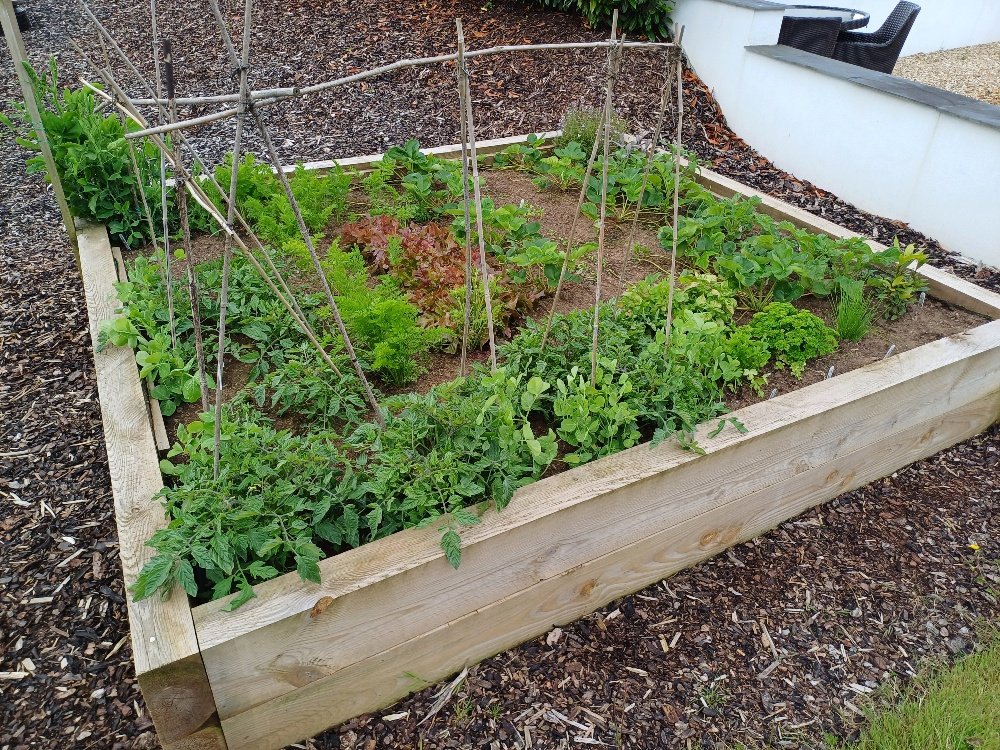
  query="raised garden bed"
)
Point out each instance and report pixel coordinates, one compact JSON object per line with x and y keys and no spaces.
{"x":392,"y":616}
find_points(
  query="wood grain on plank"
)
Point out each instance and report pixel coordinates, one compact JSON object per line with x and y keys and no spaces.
{"x":942,"y":285}
{"x":165,"y":648}
{"x":380,"y":592}
{"x":384,"y":678}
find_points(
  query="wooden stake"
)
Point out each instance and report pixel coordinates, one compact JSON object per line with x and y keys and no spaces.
{"x":613,"y":60}
{"x":12,"y":33}
{"x":484,"y":271}
{"x":227,"y":256}
{"x":463,"y":119}
{"x":678,"y":35}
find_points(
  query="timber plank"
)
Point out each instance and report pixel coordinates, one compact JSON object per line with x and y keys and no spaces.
{"x":381,"y":591}
{"x":165,"y":648}
{"x":386,"y":677}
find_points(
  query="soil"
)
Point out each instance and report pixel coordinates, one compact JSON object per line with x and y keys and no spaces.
{"x":931,"y":321}
{"x":855,"y":594}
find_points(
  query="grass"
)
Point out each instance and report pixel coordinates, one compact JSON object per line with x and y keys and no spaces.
{"x":946,"y":709}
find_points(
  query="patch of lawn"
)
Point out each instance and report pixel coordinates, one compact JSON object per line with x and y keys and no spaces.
{"x":949,"y":709}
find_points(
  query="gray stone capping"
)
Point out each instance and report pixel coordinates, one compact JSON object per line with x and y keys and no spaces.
{"x":957,"y":105}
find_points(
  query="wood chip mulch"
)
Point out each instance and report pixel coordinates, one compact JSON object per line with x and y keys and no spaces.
{"x":970,"y":71}
{"x":771,"y":645}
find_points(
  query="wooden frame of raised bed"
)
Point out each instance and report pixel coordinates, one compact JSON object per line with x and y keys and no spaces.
{"x":392,"y":616}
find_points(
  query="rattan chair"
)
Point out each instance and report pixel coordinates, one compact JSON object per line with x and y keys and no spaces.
{"x":878,"y":50}
{"x":816,"y":35}
{"x":21,"y":14}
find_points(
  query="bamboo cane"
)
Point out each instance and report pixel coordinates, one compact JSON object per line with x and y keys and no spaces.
{"x":463,"y":119}
{"x":613,"y":61}
{"x":678,"y":35}
{"x":484,"y":271}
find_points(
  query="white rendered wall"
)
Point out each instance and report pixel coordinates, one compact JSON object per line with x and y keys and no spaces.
{"x":942,"y":24}
{"x":886,"y":154}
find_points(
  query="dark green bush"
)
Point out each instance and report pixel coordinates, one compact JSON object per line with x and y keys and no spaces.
{"x":650,"y":18}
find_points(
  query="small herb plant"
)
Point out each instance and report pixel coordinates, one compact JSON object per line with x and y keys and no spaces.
{"x":793,"y":337}
{"x":854,"y":312}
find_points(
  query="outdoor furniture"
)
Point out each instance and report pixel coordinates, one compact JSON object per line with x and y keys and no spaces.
{"x":878,"y":50}
{"x":21,"y":14}
{"x":816,"y":28}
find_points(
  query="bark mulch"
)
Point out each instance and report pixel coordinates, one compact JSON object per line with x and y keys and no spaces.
{"x":771,"y":645}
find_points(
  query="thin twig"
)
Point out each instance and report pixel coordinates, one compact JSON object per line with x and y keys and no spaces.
{"x":613,"y":59}
{"x":463,"y":119}
{"x":678,"y":36}
{"x":470,"y":124}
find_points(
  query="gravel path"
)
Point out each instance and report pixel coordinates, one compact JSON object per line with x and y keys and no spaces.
{"x":971,"y":71}
{"x":850,"y":595}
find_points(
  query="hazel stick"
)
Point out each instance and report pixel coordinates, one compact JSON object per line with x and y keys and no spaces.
{"x":227,"y":255}
{"x":571,"y":236}
{"x":272,"y":96}
{"x":122,"y":102}
{"x":202,"y":199}
{"x":613,"y":60}
{"x":303,"y":229}
{"x":657,"y":130}
{"x":163,"y":181}
{"x":180,"y":193}
{"x":463,"y":119}
{"x":484,"y":270}
{"x":678,"y":34}
{"x":136,"y":173}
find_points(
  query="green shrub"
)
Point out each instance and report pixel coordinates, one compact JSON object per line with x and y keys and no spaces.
{"x":646,"y":17}
{"x":793,"y":337}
